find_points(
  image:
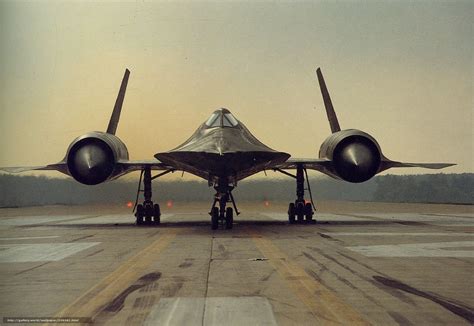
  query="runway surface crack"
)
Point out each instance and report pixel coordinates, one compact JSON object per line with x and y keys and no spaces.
{"x":207,"y":281}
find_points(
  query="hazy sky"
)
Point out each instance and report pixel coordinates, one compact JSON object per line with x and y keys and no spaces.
{"x":400,"y":70}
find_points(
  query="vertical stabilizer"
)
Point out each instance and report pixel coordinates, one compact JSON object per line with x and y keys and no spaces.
{"x":114,"y":119}
{"x":327,"y":103}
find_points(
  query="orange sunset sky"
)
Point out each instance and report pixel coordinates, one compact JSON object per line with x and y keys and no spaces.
{"x":400,"y":70}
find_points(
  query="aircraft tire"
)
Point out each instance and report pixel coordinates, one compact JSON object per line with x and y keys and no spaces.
{"x":215,"y":218}
{"x":139,"y":214}
{"x":229,"y":218}
{"x":148,"y":213}
{"x":300,"y":212}
{"x":291,"y":213}
{"x":156,"y":214}
{"x":308,"y":212}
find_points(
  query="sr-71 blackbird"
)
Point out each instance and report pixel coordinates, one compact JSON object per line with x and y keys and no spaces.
{"x":223,"y":152}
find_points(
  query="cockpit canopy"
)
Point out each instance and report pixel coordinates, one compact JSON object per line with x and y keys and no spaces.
{"x":221,"y":118}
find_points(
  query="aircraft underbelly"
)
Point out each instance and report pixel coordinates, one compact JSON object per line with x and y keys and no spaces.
{"x":231,"y":164}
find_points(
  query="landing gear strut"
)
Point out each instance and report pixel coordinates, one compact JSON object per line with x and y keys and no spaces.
{"x":300,"y":211}
{"x":223,"y":215}
{"x":147,"y":212}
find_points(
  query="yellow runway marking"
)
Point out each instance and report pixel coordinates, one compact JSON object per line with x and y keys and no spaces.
{"x":94,"y":300}
{"x":323,"y":303}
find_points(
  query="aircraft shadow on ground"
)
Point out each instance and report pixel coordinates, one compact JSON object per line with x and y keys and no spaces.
{"x":184,"y":224}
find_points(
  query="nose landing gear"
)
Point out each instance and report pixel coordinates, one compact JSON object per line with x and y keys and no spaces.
{"x":223,"y":215}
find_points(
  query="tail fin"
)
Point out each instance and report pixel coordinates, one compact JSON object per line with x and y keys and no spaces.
{"x":114,"y":119}
{"x":327,"y":103}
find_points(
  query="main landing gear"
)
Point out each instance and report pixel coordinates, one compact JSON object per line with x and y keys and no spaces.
{"x":147,"y":212}
{"x":223,"y":215}
{"x":300,"y":211}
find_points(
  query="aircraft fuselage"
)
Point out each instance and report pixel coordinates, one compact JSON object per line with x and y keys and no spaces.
{"x":222,"y":150}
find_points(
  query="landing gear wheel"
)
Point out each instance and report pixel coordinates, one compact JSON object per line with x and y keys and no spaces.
{"x":156,"y":214}
{"x":308,"y":212}
{"x":139,"y":214}
{"x":300,"y":212}
{"x":291,"y":213}
{"x":148,"y":213}
{"x":215,"y":218}
{"x":229,"y":218}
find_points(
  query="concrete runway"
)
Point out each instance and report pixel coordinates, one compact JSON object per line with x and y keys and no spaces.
{"x":382,"y":265}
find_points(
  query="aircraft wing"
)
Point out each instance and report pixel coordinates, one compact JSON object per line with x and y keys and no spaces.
{"x":326,"y":166}
{"x":61,"y":167}
{"x":124,"y":166}
{"x":387,"y":164}
{"x":321,"y":165}
{"x":129,"y":166}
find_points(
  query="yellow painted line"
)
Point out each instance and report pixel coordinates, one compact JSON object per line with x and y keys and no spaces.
{"x":324,"y":304}
{"x":95,"y":299}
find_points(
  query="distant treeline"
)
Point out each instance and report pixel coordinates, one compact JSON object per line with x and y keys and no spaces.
{"x":430,"y":188}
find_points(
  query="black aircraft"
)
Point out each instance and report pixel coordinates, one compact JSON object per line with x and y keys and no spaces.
{"x":223,"y":152}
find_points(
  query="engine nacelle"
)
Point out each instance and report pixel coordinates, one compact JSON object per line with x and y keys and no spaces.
{"x":356,"y":155}
{"x":91,"y":158}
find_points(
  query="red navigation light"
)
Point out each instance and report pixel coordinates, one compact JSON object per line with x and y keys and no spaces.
{"x":129,"y":204}
{"x":169,"y":203}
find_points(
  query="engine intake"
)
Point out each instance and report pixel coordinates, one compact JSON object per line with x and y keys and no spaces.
{"x":91,"y":159}
{"x":356,"y":155}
